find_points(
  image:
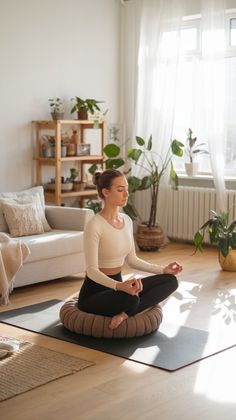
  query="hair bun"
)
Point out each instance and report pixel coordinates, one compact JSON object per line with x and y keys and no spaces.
{"x":96,"y":177}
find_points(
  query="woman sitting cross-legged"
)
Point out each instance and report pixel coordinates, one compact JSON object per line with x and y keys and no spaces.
{"x":108,"y":243}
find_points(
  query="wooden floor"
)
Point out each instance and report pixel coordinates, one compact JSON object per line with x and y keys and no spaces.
{"x":119,"y":389}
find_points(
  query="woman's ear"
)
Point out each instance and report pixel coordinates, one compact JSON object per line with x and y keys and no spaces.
{"x":105,"y":192}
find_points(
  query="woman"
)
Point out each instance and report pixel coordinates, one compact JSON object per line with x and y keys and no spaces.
{"x":108,"y":243}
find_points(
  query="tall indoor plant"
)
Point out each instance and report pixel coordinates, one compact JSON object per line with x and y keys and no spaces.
{"x":149,"y":233}
{"x":222,"y":233}
{"x":154,"y":168}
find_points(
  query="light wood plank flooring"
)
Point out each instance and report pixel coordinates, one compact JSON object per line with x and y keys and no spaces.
{"x":116,"y":388}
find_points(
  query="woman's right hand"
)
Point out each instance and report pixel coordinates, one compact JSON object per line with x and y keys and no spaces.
{"x":132,"y":286}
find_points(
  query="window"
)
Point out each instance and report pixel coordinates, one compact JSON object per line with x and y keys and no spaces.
{"x":189,"y":95}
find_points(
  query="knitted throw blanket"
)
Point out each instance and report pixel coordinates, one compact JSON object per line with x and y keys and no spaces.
{"x":13,"y":253}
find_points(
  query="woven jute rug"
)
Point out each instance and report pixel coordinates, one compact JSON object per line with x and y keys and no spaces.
{"x":33,"y":366}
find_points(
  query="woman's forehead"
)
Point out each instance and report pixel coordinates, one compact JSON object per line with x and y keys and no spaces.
{"x":120,"y":181}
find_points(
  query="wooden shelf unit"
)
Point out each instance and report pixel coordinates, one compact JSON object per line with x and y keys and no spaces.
{"x":58,"y":161}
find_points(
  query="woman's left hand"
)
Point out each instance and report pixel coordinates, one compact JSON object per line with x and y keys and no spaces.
{"x":173,"y":268}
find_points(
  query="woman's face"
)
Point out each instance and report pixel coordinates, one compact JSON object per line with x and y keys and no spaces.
{"x":118,"y":194}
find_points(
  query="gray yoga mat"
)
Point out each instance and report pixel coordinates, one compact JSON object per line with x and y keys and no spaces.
{"x":171,"y":347}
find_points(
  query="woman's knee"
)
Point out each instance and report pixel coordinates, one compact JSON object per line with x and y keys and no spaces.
{"x":172,"y":282}
{"x":131,"y":302}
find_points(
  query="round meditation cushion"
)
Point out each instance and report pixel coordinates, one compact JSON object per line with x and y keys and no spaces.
{"x":97,"y":326}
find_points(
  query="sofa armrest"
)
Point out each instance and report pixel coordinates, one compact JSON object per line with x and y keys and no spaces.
{"x":67,"y":218}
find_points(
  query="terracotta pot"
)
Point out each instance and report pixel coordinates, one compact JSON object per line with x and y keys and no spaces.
{"x":149,"y":238}
{"x":78,"y":186}
{"x":228,"y":263}
{"x":82,"y":114}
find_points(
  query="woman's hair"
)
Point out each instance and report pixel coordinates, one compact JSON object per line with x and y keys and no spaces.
{"x":104,"y":179}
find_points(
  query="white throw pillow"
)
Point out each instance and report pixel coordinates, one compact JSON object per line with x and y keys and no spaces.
{"x":22,"y":219}
{"x":32,"y":195}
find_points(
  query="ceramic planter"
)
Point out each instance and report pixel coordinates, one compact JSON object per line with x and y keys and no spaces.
{"x":228,"y":263}
{"x":191,"y":168}
{"x":57,"y":115}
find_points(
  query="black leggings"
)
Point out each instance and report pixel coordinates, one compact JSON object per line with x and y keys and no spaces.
{"x":101,"y":300}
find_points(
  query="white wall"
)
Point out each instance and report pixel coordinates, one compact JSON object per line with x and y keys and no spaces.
{"x":52,"y":48}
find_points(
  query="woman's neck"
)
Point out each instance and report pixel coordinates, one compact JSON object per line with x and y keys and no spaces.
{"x":110,"y":212}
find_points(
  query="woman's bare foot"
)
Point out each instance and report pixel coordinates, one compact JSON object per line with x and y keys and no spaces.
{"x":117,"y":320}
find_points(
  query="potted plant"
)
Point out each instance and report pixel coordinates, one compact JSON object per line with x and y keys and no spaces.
{"x":77,"y":185}
{"x":222,"y":233}
{"x":191,"y":150}
{"x":149,"y":235}
{"x":48,"y":147}
{"x":83,"y":106}
{"x":56,"y":107}
{"x":66,"y":185}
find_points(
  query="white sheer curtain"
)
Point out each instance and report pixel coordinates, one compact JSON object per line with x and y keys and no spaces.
{"x":157,"y":73}
{"x":213,"y":76}
{"x":158,"y":66}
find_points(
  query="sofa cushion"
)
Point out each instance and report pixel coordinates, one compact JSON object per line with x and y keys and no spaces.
{"x":20,"y":194}
{"x":34,"y":199}
{"x":22,"y":219}
{"x":52,"y":244}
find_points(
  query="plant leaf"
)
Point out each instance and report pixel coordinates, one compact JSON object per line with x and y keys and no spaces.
{"x":134,"y":184}
{"x":111,"y":150}
{"x":114,"y":163}
{"x":198,"y":239}
{"x":134,"y":154}
{"x":146,"y":183}
{"x":173,"y":177}
{"x":130,"y":210}
{"x":93,"y":168}
{"x":177,"y":148}
{"x":149,"y":145}
{"x":140,"y":141}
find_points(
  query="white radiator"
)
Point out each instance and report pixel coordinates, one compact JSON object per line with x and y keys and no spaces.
{"x":187,"y":209}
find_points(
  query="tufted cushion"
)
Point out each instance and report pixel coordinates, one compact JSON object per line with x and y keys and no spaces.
{"x":93,"y":325}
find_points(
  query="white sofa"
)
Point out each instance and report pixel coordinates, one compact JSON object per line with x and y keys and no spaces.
{"x":58,"y":252}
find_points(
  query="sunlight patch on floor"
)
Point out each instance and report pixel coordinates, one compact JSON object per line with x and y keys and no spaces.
{"x":178,"y":306}
{"x":135,"y":367}
{"x":216,"y":378}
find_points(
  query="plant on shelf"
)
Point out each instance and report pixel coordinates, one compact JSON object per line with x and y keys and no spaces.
{"x":154,"y":167}
{"x":77,"y":185}
{"x":222,"y":233}
{"x":66,"y":185}
{"x":83,"y":106}
{"x":56,"y":107}
{"x":191,"y":150}
{"x":49,"y":142}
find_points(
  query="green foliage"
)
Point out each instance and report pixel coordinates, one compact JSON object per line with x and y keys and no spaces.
{"x":73,"y":174}
{"x":56,"y":104}
{"x":146,"y":158}
{"x":192,"y":148}
{"x":93,"y":205}
{"x":155,"y":167}
{"x":221,"y":233}
{"x":90,"y":105}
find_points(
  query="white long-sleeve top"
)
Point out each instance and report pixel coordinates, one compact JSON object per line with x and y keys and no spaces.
{"x":107,"y":247}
